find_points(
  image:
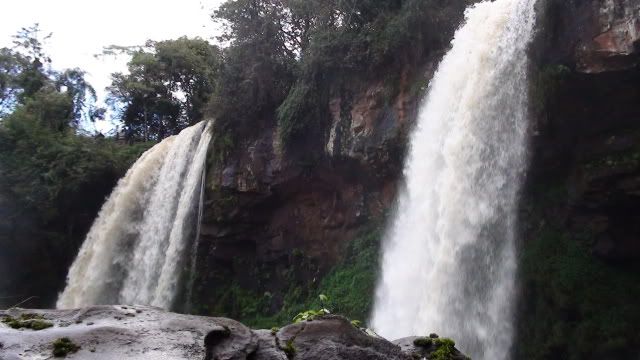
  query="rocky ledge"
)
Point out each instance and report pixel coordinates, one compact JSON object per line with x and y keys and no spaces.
{"x":140,"y":332}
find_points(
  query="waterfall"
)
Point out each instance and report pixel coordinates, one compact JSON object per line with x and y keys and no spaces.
{"x":449,"y":258}
{"x":196,"y":243}
{"x":135,"y":252}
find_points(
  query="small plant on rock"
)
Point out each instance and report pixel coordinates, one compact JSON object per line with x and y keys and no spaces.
{"x":64,"y":346}
{"x":289,"y":349}
{"x":309,"y":315}
{"x":445,"y":349}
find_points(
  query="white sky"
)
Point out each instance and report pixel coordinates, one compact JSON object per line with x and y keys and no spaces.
{"x":81,"y":28}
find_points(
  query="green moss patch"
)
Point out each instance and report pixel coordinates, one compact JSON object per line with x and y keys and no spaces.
{"x":423,"y":342}
{"x":28,"y":321}
{"x":445,"y":349}
{"x":64,"y":346}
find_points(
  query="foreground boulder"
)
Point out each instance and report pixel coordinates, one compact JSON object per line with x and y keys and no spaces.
{"x":140,"y":332}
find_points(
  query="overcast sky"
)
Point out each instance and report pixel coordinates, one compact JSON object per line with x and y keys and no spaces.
{"x":81,"y":28}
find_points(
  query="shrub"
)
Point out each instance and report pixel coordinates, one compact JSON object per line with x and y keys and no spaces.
{"x":64,"y":346}
{"x":445,"y":349}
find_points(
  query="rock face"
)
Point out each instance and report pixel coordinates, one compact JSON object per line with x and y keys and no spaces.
{"x":267,"y":201}
{"x":580,"y":242}
{"x":136,"y":332}
{"x":595,"y":36}
{"x":588,"y":54}
{"x":614,"y":41}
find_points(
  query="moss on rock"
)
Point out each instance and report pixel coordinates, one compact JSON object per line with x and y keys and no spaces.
{"x":64,"y":346}
{"x":28,"y":321}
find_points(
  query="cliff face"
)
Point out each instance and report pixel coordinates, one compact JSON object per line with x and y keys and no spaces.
{"x":587,"y":127}
{"x":580,"y":210}
{"x":280,"y":216}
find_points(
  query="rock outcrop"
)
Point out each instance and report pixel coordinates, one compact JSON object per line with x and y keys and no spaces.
{"x":594,"y":36}
{"x":580,"y":240}
{"x":588,"y":54}
{"x":613,"y":42}
{"x":137,"y":332}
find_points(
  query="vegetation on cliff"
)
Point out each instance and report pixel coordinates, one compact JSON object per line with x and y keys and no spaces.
{"x":575,"y":306}
{"x":349,"y":286}
{"x":286,"y":57}
{"x":578,"y":299}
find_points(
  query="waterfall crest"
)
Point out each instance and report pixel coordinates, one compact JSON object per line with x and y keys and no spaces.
{"x":135,"y":252}
{"x":448,"y":263}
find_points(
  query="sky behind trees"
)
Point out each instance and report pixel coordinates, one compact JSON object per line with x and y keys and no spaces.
{"x":82,"y":28}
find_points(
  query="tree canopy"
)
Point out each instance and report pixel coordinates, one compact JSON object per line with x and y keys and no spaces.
{"x":62,"y":98}
{"x":166,"y":88}
{"x":284,"y":56}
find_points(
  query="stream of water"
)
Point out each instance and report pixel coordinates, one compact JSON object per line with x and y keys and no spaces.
{"x":449,"y":257}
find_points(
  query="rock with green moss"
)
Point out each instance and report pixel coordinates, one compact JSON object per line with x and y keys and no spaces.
{"x":423,"y":342}
{"x":112,"y":332}
{"x":430,"y":347}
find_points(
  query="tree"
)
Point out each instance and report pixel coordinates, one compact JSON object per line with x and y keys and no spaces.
{"x":82,"y":95}
{"x":259,"y":63}
{"x":167,"y":87}
{"x":11,"y":66}
{"x":53,"y":179}
{"x":23,"y":68}
{"x":35,"y":74}
{"x":59,"y":99}
{"x":192,"y":67}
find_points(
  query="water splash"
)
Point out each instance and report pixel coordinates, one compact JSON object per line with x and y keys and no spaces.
{"x":135,"y":250}
{"x":448,"y":261}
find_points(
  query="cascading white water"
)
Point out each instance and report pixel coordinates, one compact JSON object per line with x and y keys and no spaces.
{"x":195,"y":246}
{"x":448,"y":263}
{"x":135,"y":250}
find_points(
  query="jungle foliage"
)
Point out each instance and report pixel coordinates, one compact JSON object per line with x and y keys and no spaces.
{"x":53,"y":175}
{"x":44,"y":158}
{"x":284,"y":57}
{"x":166,"y":88}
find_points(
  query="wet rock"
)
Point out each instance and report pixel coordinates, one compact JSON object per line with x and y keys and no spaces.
{"x":156,"y":334}
{"x":152,"y":334}
{"x":268,"y":346}
{"x":591,"y":36}
{"x":230,"y":342}
{"x":422,"y":347}
{"x":334,"y":337}
{"x":615,"y":41}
